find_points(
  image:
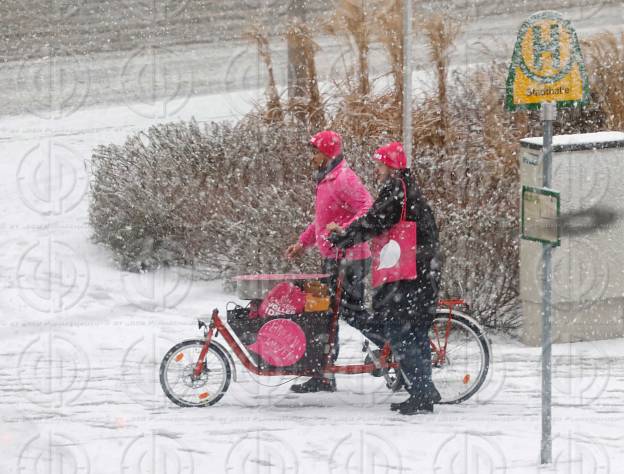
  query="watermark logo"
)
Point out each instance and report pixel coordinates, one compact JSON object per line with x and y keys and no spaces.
{"x":140,"y":369}
{"x":53,"y":453}
{"x":365,"y":453}
{"x":156,"y":85}
{"x":576,"y":455}
{"x":51,"y":276}
{"x":363,"y":389}
{"x":246,"y":78}
{"x":52,"y":178}
{"x":61,"y":9}
{"x":261,"y":453}
{"x":156,"y":453}
{"x":163,"y":10}
{"x":581,"y":374}
{"x":53,"y":370}
{"x":163,"y":288}
{"x":579,"y":276}
{"x":469,"y":453}
{"x":590,"y":180}
{"x":56,"y":82}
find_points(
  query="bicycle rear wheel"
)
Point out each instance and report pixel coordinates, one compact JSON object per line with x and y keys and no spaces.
{"x":460,"y":355}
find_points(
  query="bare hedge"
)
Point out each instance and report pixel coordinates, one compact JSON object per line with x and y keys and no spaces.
{"x":228,"y":199}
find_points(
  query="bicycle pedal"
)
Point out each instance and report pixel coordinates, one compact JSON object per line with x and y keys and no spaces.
{"x":373,"y":358}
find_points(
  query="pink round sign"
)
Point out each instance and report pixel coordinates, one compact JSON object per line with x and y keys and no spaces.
{"x":280,"y":342}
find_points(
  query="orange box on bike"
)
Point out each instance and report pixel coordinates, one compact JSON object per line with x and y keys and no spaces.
{"x":316,"y":304}
{"x":317,"y":296}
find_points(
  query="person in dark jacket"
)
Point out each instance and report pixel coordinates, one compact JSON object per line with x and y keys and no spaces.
{"x":404,"y":309}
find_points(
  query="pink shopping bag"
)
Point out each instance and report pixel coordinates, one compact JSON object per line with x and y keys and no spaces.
{"x":394,"y":251}
{"x":284,"y":298}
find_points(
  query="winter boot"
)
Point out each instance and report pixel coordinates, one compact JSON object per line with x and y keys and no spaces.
{"x":435,"y":398}
{"x":415,"y":405}
{"x":315,"y":384}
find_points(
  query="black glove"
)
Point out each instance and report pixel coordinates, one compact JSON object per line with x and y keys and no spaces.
{"x":334,"y":239}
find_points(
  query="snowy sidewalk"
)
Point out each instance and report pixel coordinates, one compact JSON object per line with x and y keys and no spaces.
{"x":81,"y":343}
{"x":84,"y":393}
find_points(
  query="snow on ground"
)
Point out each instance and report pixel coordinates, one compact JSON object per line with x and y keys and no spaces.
{"x":81,"y":341}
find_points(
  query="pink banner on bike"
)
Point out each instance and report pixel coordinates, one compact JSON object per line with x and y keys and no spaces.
{"x":280,"y":342}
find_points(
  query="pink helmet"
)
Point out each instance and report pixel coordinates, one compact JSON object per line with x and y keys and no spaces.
{"x":392,"y":155}
{"x":327,"y":142}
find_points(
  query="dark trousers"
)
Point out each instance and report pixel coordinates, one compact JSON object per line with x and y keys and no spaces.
{"x":352,"y":305}
{"x":410,"y":345}
{"x":403,"y":313}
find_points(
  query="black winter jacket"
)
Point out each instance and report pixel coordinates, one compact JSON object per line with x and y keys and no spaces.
{"x":386,"y":212}
{"x":408,"y":300}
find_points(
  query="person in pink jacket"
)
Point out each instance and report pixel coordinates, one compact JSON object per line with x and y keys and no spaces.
{"x":341,"y":198}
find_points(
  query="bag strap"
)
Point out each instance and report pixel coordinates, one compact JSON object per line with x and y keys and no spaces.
{"x":404,"y":210}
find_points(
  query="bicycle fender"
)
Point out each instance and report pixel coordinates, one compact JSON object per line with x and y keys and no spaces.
{"x":471,"y":320}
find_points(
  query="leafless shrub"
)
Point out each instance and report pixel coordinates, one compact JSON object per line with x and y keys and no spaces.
{"x":605,"y":56}
{"x":230,"y":198}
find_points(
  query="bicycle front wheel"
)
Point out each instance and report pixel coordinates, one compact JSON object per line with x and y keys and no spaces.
{"x":460,"y":356}
{"x":179,"y":383}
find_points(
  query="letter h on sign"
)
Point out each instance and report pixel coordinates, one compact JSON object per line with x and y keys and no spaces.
{"x":540,"y":46}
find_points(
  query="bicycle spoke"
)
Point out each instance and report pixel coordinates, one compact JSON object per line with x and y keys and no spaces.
{"x":456,"y":347}
{"x":462,"y":367}
{"x":180,"y":383}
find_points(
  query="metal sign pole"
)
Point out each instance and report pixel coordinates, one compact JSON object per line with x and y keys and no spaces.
{"x":407,"y":80}
{"x":536,"y":64}
{"x":549,"y":112}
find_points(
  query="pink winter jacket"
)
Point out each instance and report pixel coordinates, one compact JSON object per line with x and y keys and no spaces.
{"x":341,"y":198}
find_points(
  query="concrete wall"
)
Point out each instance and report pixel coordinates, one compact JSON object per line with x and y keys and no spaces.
{"x":588,"y":267}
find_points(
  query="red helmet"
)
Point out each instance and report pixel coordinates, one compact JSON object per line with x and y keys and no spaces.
{"x":327,"y":142}
{"x":392,"y":155}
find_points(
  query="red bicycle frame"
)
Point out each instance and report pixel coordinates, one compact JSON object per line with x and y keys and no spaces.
{"x":440,"y":349}
{"x":216,"y":324}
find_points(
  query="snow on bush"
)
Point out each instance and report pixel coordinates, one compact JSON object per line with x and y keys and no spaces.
{"x":219,"y":197}
{"x":228,"y":199}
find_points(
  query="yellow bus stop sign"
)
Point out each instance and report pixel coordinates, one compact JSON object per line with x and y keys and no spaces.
{"x":547,"y":65}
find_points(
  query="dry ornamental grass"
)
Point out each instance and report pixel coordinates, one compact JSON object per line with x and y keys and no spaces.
{"x":228,"y":199}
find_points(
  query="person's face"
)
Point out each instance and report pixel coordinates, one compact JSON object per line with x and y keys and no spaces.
{"x":382,"y":172}
{"x":318,"y":159}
